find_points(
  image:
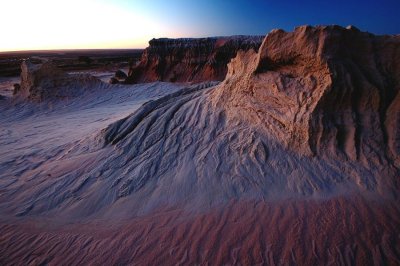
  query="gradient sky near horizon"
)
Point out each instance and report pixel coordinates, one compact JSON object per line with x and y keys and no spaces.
{"x":74,"y":24}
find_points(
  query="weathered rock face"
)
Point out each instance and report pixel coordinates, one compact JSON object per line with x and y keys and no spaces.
{"x":321,"y":91}
{"x":17,"y":88}
{"x":313,"y":112}
{"x":40,"y":81}
{"x":185,"y":60}
{"x":119,"y":77}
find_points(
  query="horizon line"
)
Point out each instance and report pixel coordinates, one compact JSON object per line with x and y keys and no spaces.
{"x":69,"y":49}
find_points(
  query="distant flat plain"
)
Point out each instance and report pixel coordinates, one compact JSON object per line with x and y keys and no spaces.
{"x":98,"y":62}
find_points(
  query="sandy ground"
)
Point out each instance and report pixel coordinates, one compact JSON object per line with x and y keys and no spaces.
{"x":31,"y":127}
{"x":342,"y":231}
{"x":104,"y":76}
{"x":61,"y":204}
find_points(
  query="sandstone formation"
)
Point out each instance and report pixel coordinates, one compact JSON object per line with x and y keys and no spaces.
{"x":189,"y":60}
{"x":118,"y":77}
{"x":119,"y":74}
{"x":324,"y":91}
{"x":17,"y":88}
{"x":41,"y":80}
{"x":314,"y":111}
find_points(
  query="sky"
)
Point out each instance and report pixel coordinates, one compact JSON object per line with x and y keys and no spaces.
{"x":90,"y":24}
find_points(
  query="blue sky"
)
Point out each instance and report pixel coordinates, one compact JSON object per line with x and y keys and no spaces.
{"x":210,"y":17}
{"x":59,"y":24}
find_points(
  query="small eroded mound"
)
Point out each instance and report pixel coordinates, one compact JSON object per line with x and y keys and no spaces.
{"x":43,"y":80}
